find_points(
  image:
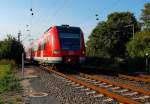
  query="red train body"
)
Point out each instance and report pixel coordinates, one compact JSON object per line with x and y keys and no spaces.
{"x":59,"y":44}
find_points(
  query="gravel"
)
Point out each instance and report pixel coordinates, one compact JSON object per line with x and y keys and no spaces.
{"x":143,"y":85}
{"x":63,"y":92}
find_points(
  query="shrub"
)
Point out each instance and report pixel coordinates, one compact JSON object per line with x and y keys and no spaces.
{"x":10,"y":83}
{"x":6,"y":62}
{"x":1,"y":102}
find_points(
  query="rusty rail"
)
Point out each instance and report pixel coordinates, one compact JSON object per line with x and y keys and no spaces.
{"x":97,"y":89}
{"x":144,"y":76}
{"x":127,"y":86}
{"x":134,"y":78}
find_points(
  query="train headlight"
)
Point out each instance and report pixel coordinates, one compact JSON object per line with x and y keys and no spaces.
{"x":83,"y":52}
{"x":56,"y":52}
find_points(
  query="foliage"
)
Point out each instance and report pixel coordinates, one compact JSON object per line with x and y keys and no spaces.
{"x":8,"y":82}
{"x":133,"y":64}
{"x":6,"y":102}
{"x":4,"y":70}
{"x":10,"y":48}
{"x":146,"y":15}
{"x":108,"y":38}
{"x":6,"y":62}
{"x":108,"y":65}
{"x":140,"y":44}
{"x":1,"y":102}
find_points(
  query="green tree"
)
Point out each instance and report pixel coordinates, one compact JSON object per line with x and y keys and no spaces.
{"x":10,"y":48}
{"x":146,"y":15}
{"x":140,"y":45}
{"x":108,"y":38}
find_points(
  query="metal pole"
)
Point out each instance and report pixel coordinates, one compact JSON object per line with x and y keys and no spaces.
{"x":22,"y":65}
{"x":133,"y":31}
{"x":19,"y":34}
{"x":146,"y":64}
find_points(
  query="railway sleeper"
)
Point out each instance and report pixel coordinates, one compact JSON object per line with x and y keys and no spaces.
{"x":130,"y":93}
{"x":98,"y":89}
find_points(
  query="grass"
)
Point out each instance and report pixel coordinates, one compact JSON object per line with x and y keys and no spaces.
{"x":8,"y":81}
{"x":7,"y":62}
{"x":6,"y":102}
{"x":4,"y":70}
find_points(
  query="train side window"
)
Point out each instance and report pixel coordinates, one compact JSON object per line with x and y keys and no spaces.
{"x":48,"y":38}
{"x":44,"y":44}
{"x":39,"y":48}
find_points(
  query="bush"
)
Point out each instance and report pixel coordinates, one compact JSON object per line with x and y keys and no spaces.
{"x":10,"y":48}
{"x":9,"y":83}
{"x":133,"y":64}
{"x":6,"y":62}
{"x":139,"y":45}
{"x":1,"y":102}
{"x":4,"y":70}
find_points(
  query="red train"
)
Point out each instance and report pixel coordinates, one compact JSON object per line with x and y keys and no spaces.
{"x":59,"y":44}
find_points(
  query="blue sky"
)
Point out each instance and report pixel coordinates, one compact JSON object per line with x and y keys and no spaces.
{"x":15,"y":14}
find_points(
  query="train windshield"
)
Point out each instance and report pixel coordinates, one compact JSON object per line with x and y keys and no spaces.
{"x":70,"y":38}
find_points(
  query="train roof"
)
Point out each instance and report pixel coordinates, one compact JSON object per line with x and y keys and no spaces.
{"x":61,"y":28}
{"x":64,"y":27}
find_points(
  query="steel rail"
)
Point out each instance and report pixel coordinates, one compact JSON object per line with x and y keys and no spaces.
{"x":97,"y":89}
{"x":127,"y":86}
{"x":134,"y":78}
{"x":144,"y":76}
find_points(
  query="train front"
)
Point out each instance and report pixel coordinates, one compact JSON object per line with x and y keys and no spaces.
{"x":72,"y":47}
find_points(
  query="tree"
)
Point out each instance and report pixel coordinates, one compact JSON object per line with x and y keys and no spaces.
{"x":140,"y":45}
{"x":146,"y":15}
{"x":92,"y":42}
{"x":10,"y":48}
{"x":108,"y":38}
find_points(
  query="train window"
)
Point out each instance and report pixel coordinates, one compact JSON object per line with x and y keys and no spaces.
{"x":70,"y":38}
{"x":70,"y":41}
{"x":39,"y":47}
{"x":43,"y":44}
{"x":35,"y":47}
{"x":69,"y":35}
{"x":48,"y":37}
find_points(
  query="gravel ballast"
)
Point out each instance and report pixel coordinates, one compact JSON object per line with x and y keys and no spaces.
{"x":64,"y":93}
{"x":58,"y":88}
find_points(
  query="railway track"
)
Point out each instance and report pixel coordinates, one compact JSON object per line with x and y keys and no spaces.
{"x":106,"y":90}
{"x":128,"y":91}
{"x":141,"y":78}
{"x":144,"y":76}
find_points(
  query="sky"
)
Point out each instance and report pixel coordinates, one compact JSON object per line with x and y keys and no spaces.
{"x":16,"y":15}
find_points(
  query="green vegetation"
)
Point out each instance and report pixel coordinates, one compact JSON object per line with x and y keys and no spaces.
{"x":146,"y":15}
{"x":10,"y":48}
{"x":109,"y":38}
{"x":8,"y":82}
{"x":6,"y":62}
{"x":4,"y":70}
{"x":10,"y":55}
{"x":7,"y":102}
{"x":140,"y":44}
{"x":18,"y":99}
{"x":112,"y":44}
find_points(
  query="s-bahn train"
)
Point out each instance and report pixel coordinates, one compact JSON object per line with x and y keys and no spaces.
{"x":59,"y":44}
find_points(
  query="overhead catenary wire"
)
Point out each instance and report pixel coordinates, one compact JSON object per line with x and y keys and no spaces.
{"x":96,"y":13}
{"x":59,"y":9}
